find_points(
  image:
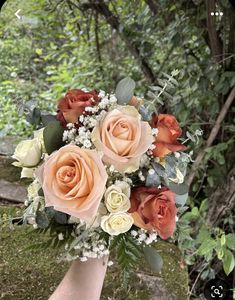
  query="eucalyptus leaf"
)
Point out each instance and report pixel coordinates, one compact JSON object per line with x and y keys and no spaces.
{"x":47,"y":118}
{"x":40,"y":192}
{"x":145,"y":113}
{"x":50,"y":212}
{"x":125,"y":90}
{"x":179,"y":189}
{"x":170,"y":165}
{"x":181,"y":192}
{"x":53,"y":136}
{"x":60,"y":217}
{"x":42,"y":219}
{"x":153,"y":258}
{"x":153,"y":180}
{"x":181,"y":199}
{"x":159,"y":169}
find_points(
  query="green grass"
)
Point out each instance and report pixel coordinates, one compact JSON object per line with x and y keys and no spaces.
{"x":34,"y":274}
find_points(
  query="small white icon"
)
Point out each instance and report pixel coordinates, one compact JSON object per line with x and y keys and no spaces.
{"x":217,"y":13}
{"x":217,"y":291}
{"x":17,"y":14}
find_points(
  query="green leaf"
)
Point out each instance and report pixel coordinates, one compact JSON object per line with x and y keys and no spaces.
{"x":195,"y":211}
{"x":53,"y":136}
{"x":203,"y":234}
{"x":34,"y":117}
{"x":228,"y":261}
{"x":153,"y":258}
{"x":125,"y":90}
{"x":204,"y":205}
{"x":38,"y":51}
{"x":207,"y":247}
{"x":223,"y":240}
{"x":230,"y":241}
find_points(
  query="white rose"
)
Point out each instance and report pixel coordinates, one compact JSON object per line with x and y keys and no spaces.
{"x":114,"y":224}
{"x":38,"y":135}
{"x":28,"y":153}
{"x":117,"y":197}
{"x":27,"y":172}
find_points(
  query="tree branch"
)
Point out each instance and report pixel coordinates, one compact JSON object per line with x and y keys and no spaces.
{"x":215,"y":42}
{"x":152,"y":6}
{"x":102,"y":8}
{"x":97,"y":37}
{"x":212,"y":136}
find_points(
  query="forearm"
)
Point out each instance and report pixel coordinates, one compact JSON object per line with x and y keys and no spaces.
{"x":83,"y":281}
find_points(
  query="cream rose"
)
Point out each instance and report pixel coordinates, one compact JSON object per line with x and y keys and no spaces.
{"x":73,"y":181}
{"x":123,"y":138}
{"x":38,"y":136}
{"x":117,"y":197}
{"x":27,"y":172}
{"x":114,"y":224}
{"x":28,"y":153}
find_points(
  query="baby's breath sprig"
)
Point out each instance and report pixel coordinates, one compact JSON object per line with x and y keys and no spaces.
{"x":144,"y":237}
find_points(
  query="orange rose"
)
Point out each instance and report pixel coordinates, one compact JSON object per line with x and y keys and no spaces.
{"x":154,"y":209}
{"x":73,"y":181}
{"x":168,"y":133}
{"x":73,"y":104}
{"x":123,"y":138}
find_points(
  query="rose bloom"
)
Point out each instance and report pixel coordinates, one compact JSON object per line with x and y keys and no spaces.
{"x":73,"y":181}
{"x":28,"y":153}
{"x":73,"y":104}
{"x":117,"y":197}
{"x":168,"y":133}
{"x":123,"y":138}
{"x":116,"y":223}
{"x":154,"y":209}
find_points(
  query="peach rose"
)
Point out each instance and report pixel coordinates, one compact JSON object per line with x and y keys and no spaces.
{"x":154,"y":209}
{"x":123,"y":138}
{"x":73,"y":104}
{"x":168,"y":133}
{"x":73,"y":181}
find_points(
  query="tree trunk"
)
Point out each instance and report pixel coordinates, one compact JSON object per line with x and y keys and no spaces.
{"x":222,"y":200}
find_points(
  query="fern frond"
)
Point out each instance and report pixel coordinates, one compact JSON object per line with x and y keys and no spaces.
{"x":128,"y":254}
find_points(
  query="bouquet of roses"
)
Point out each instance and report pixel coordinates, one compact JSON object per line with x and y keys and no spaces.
{"x":107,"y":175}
